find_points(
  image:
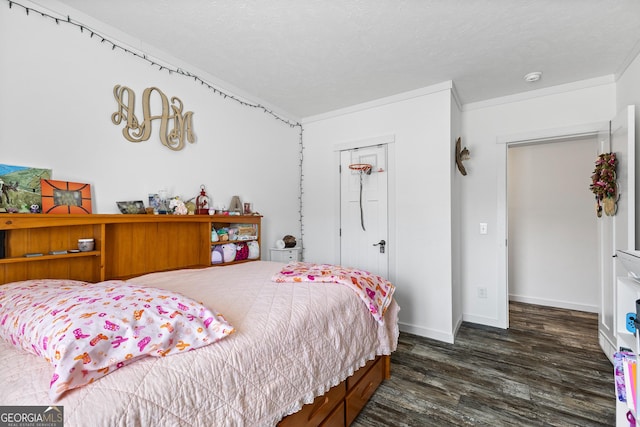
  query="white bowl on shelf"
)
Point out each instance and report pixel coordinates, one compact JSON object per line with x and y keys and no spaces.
{"x":86,"y":245}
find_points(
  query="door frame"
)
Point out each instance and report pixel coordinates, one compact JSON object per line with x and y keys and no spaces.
{"x":388,"y":140}
{"x":502,"y":226}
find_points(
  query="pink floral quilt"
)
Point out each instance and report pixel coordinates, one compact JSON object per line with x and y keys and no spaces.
{"x":375,"y":291}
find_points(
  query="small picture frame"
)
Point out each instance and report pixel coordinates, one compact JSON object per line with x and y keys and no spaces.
{"x":154,"y":200}
{"x":155,"y":203}
{"x":132,"y":207}
{"x":64,"y":197}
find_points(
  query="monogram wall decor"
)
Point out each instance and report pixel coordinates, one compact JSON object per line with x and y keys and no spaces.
{"x":175,"y":126}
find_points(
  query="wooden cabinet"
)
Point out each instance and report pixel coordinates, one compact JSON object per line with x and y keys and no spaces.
{"x":32,"y":234}
{"x":125,"y":245}
{"x":247,"y":229}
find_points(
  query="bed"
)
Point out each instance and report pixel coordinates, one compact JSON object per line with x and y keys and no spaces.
{"x":294,"y":344}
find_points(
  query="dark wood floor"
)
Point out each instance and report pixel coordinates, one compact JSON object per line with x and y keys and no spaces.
{"x":545,"y":370}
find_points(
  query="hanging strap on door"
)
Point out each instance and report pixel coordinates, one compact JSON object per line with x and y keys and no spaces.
{"x":362,"y":169}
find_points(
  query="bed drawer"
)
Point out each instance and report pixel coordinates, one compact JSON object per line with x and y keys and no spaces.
{"x":358,"y":396}
{"x":313,"y":414}
{"x":353,"y":379}
{"x":336,"y":419}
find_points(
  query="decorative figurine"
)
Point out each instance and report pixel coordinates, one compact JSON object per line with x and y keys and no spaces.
{"x":235,"y":205}
{"x":202,"y":202}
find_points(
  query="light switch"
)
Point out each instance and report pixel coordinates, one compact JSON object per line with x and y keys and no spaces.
{"x":483,"y":228}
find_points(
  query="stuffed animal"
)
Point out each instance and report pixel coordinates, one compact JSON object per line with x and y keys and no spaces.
{"x":229,"y":252}
{"x":216,"y":255}
{"x":232,"y":233}
{"x":254,"y":250}
{"x":242,"y":251}
{"x":223,"y":234}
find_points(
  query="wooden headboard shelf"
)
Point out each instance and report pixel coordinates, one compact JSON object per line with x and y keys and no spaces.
{"x":125,"y":245}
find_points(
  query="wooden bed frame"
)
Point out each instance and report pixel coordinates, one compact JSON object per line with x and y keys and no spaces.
{"x":132,"y":245}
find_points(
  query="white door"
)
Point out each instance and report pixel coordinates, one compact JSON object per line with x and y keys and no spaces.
{"x":618,"y":231}
{"x":363,"y":211}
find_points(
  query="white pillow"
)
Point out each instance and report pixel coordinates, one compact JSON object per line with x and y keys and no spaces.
{"x":88,"y":330}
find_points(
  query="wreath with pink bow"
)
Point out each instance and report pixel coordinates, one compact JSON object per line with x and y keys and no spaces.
{"x":603,"y":184}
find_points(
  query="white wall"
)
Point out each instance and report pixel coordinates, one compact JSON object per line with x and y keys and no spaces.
{"x":56,"y":105}
{"x":57,"y":101}
{"x":456,"y":216}
{"x":628,"y":86}
{"x":420,"y":198}
{"x":553,"y":246}
{"x":628,"y":93}
{"x":482,"y":125}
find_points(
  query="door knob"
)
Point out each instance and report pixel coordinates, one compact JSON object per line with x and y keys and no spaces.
{"x":382,"y":244}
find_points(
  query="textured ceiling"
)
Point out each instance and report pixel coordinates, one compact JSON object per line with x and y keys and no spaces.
{"x":307,"y":57}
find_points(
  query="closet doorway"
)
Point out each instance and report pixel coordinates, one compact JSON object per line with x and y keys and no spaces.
{"x":613,"y":232}
{"x":552,"y":223}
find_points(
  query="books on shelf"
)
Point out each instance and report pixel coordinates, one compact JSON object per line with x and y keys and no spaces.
{"x":625,"y":371}
{"x":630,"y":382}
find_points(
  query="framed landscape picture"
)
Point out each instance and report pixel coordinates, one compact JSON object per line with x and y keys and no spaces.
{"x":20,"y":188}
{"x":65,"y":197}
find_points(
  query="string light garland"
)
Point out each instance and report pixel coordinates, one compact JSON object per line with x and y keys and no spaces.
{"x":179,"y":71}
{"x":153,"y":63}
{"x":300,"y":193}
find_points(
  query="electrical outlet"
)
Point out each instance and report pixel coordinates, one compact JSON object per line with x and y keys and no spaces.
{"x":482,"y":292}
{"x":483,"y":228}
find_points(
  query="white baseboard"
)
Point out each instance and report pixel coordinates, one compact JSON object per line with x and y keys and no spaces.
{"x":426,"y":332}
{"x":489,"y":321}
{"x":555,"y":303}
{"x":457,"y":327}
{"x":607,"y":346}
{"x":486,"y":321}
